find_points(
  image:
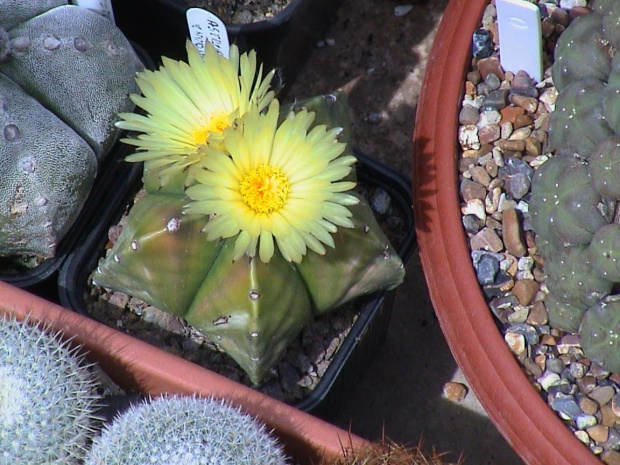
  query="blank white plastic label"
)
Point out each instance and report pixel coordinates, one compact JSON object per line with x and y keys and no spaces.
{"x":103,"y":7}
{"x":203,"y":26}
{"x":520,"y":37}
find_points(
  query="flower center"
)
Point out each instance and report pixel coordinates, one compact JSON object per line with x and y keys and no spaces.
{"x":217,"y":123}
{"x":265,"y":189}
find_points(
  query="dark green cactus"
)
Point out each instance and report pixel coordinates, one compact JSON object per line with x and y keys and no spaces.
{"x":249,"y":308}
{"x":604,"y":167}
{"x":572,"y":278}
{"x":578,"y":189}
{"x":578,"y":123}
{"x":600,"y":333}
{"x":582,"y":52}
{"x":65,"y":73}
{"x":565,"y":208}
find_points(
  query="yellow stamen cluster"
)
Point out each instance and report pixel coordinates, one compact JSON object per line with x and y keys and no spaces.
{"x":265,"y":189}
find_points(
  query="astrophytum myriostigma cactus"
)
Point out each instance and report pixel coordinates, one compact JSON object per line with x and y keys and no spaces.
{"x":65,"y":73}
{"x":185,"y":431}
{"x":575,"y":203}
{"x":258,"y":232}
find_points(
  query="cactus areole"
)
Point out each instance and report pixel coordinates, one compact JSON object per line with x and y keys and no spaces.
{"x":65,"y":74}
{"x":251,"y":231}
{"x":575,"y":205}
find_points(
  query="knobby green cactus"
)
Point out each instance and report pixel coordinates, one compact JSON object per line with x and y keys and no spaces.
{"x":194,"y":246}
{"x":576,"y":193}
{"x":47,"y":397}
{"x":185,"y":430}
{"x":65,"y":73}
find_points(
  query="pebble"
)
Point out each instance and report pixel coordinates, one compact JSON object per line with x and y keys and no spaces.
{"x":455,"y":392}
{"x":504,"y":119}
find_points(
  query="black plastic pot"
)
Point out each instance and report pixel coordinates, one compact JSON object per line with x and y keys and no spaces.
{"x":283,"y":42}
{"x":359,"y":346}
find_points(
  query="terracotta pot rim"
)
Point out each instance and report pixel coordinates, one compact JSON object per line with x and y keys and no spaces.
{"x":141,"y":367}
{"x":518,"y":411}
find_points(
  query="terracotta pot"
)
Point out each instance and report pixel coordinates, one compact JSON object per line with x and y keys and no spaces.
{"x":515,"y":407}
{"x":137,"y":366}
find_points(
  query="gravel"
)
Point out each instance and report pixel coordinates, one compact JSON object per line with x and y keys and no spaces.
{"x":503,"y":136}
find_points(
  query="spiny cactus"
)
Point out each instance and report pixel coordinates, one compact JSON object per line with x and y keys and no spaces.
{"x":575,"y":194}
{"x":185,"y":430}
{"x":251,"y":309}
{"x":47,"y":397}
{"x":65,"y":73}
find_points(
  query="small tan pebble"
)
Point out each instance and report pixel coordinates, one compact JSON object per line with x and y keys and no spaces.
{"x":610,"y":457}
{"x":582,"y":436}
{"x":521,"y":134}
{"x":588,"y":405}
{"x":490,"y":65}
{"x":548,"y":340}
{"x":602,"y":394}
{"x":480,"y":175}
{"x":529,"y":104}
{"x":486,"y":239}
{"x":538,"y":315}
{"x":512,"y":233}
{"x":455,"y":392}
{"x":608,"y":417}
{"x":513,"y":145}
{"x":516,"y":342}
{"x":525,"y":290}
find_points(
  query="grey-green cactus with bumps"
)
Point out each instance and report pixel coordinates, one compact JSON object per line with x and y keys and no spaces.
{"x":251,"y":298}
{"x":65,"y":73}
{"x":575,"y":203}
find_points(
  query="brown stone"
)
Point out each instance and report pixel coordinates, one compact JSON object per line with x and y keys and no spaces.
{"x":598,"y":433}
{"x":610,"y":457}
{"x":532,"y":147}
{"x":489,"y":133}
{"x":538,"y":315}
{"x":480,"y":175}
{"x":490,"y":65}
{"x":510,"y":113}
{"x":455,"y":392}
{"x":602,"y":394}
{"x":522,"y":120}
{"x":525,"y":290}
{"x":512,"y":233}
{"x":588,"y":405}
{"x":608,"y":417}
{"x":472,"y":190}
{"x":529,"y":104}
{"x":515,"y":145}
{"x":486,"y":239}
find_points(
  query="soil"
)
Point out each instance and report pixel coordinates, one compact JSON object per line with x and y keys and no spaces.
{"x":308,"y":356}
{"x":241,"y":11}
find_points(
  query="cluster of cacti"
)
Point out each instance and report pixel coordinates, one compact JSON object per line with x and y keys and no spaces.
{"x":65,"y":73}
{"x":185,"y":430}
{"x":575,"y":203}
{"x":232,"y":263}
{"x":47,"y":397}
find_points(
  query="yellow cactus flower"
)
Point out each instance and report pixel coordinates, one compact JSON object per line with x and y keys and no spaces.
{"x":189,"y":105}
{"x":275,"y":185}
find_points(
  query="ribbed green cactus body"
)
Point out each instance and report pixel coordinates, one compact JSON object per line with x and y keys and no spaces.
{"x":185,"y":431}
{"x":252,"y":310}
{"x":47,"y":172}
{"x":75,"y":71}
{"x":162,"y":256}
{"x":47,"y":398}
{"x":362,"y":261}
{"x":600,"y":333}
{"x":562,"y":315}
{"x":573,"y":279}
{"x":564,"y":206}
{"x":578,"y":123}
{"x":583,"y":39}
{"x":604,"y":167}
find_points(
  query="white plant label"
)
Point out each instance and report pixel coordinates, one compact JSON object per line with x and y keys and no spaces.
{"x":203,"y":26}
{"x":103,"y":7}
{"x":520,"y":37}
